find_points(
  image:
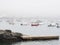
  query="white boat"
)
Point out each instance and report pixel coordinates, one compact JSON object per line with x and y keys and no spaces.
{"x":52,"y":25}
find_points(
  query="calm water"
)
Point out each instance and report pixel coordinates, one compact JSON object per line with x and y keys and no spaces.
{"x":39,"y":30}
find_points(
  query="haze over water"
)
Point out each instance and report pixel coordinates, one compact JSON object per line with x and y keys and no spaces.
{"x":41,"y":30}
{"x":31,"y":8}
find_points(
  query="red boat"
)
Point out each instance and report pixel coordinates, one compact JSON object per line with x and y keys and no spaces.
{"x":34,"y":24}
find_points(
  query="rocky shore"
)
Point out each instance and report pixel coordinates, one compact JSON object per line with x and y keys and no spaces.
{"x":8,"y":35}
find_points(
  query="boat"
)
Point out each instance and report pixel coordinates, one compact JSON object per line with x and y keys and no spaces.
{"x":52,"y":25}
{"x":35,"y":24}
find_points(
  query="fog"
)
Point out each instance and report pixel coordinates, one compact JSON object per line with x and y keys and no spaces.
{"x":30,"y":8}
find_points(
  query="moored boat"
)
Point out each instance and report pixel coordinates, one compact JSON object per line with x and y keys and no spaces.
{"x":35,"y":24}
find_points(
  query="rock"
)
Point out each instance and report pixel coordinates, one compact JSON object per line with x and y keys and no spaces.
{"x":17,"y":34}
{"x":8,"y":30}
{"x":2,"y":31}
{"x":10,"y":36}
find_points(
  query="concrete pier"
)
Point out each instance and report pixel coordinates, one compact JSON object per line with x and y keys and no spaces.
{"x":8,"y":35}
{"x":30,"y":38}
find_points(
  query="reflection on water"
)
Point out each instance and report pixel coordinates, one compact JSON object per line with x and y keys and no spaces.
{"x":47,"y":42}
{"x":10,"y":43}
{"x":5,"y":43}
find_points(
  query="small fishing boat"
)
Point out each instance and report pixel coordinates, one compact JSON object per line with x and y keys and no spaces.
{"x":35,"y":24}
{"x":52,"y":25}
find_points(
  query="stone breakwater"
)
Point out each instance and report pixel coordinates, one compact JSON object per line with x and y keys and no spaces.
{"x":8,"y":35}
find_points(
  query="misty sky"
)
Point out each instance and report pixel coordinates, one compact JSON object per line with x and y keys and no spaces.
{"x":30,"y":8}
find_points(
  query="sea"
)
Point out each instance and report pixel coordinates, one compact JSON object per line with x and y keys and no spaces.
{"x":41,"y":30}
